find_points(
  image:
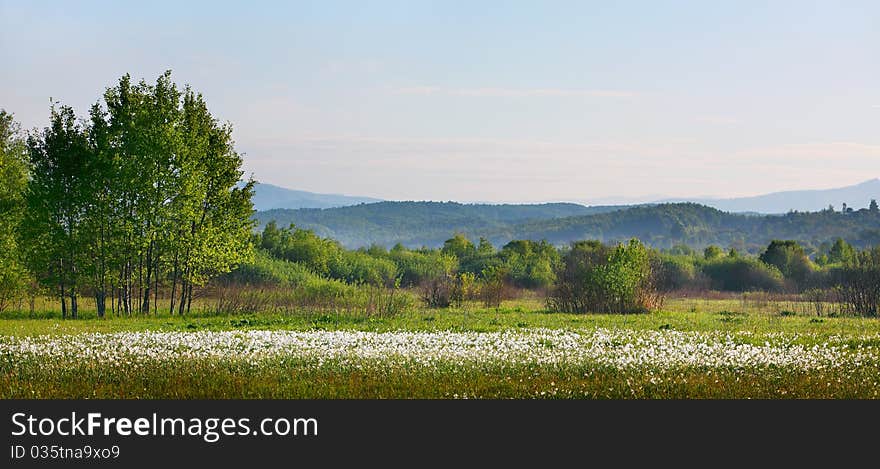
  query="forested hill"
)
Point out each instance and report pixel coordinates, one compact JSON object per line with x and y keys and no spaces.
{"x":430,"y":223}
{"x":665,"y":225}
{"x":420,"y":223}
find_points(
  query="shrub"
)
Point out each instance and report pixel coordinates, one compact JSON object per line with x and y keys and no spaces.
{"x":599,"y":278}
{"x":360,"y":267}
{"x":327,"y":257}
{"x":742,"y":274}
{"x":494,"y":286}
{"x":678,"y":273}
{"x":790,"y":258}
{"x":437,"y":292}
{"x":416,"y":267}
{"x":267,"y":270}
{"x":858,"y":283}
{"x":463,"y":288}
{"x":530,"y":264}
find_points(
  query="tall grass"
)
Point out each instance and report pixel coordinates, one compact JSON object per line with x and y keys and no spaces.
{"x":317,"y":296}
{"x":286,"y":379}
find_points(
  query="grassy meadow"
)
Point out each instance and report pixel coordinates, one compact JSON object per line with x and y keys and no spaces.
{"x":733,"y":347}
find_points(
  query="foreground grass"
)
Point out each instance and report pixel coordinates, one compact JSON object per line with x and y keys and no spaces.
{"x":680,"y":314}
{"x":290,"y":380}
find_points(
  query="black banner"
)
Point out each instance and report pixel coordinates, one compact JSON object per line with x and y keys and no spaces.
{"x":332,"y":433}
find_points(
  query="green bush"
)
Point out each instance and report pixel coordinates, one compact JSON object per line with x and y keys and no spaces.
{"x":530,"y":264}
{"x":265,"y":269}
{"x":857,"y":283}
{"x":742,"y":274}
{"x":417,"y":266}
{"x":790,"y":258}
{"x":326,"y":257}
{"x":603,"y":279}
{"x":677,"y":272}
{"x":360,"y":267}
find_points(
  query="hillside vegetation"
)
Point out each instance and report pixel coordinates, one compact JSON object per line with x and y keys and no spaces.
{"x":416,"y":224}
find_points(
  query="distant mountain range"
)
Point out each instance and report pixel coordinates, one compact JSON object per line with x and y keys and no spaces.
{"x":268,"y":197}
{"x":856,"y":196}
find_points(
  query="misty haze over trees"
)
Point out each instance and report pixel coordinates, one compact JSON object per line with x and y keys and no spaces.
{"x":416,"y":224}
{"x":270,"y":197}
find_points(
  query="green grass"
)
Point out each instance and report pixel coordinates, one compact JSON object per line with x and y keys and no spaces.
{"x":682,"y":315}
{"x":292,"y":381}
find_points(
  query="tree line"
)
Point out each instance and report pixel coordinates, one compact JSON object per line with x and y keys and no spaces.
{"x":584,"y":276}
{"x":416,"y":224}
{"x":140,"y":195}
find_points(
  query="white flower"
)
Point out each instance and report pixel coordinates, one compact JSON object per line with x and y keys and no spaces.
{"x":619,"y":348}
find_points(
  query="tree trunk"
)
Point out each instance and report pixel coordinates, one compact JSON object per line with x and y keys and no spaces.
{"x":145,"y":305}
{"x":128,"y":287}
{"x":173,"y":283}
{"x":182,"y":305}
{"x":100,"y":304}
{"x":140,"y":279}
{"x":156,"y":289}
{"x":63,"y":302}
{"x":189,"y":298}
{"x":73,"y":303}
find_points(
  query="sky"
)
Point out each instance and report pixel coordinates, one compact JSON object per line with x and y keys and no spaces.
{"x":597,"y":102}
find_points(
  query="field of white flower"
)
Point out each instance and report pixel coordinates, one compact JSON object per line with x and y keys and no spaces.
{"x":600,"y":362}
{"x":617,"y":348}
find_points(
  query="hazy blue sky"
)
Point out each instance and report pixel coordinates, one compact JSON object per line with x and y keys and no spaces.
{"x":498,"y":101}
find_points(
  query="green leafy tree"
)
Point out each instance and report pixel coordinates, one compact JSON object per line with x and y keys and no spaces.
{"x":790,"y":258}
{"x":459,"y":246}
{"x":57,"y":204}
{"x":742,"y":274}
{"x":712,"y":252}
{"x":841,"y":252}
{"x":13,"y":182}
{"x":485,"y":248}
{"x":415,"y":267}
{"x":100,"y":223}
{"x":145,"y":192}
{"x":627,"y":279}
{"x":530,"y":264}
{"x":677,"y":272}
{"x":597,"y":278}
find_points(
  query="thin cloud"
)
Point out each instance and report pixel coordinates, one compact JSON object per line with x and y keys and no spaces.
{"x":494,"y":92}
{"x":476,"y":146}
{"x":852,"y":152}
{"x":718,"y":120}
